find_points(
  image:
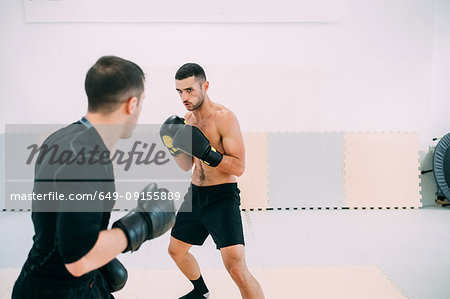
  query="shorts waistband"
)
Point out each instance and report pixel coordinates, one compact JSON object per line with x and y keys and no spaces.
{"x":224,"y":186}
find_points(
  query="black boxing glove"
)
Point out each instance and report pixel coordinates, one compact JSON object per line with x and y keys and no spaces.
{"x":168,"y":130}
{"x":150,"y":219}
{"x":115,"y":275}
{"x":192,"y":141}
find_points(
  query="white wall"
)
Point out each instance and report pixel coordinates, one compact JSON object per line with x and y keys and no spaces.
{"x":440,"y":91}
{"x":383,"y":67}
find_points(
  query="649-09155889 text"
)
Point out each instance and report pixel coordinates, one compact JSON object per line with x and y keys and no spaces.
{"x":58,"y":196}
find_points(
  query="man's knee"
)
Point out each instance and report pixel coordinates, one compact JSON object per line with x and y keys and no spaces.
{"x":176,"y":251}
{"x":238,"y":272}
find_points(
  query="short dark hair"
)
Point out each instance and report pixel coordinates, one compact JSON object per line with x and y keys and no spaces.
{"x":111,"y":79}
{"x":191,"y":69}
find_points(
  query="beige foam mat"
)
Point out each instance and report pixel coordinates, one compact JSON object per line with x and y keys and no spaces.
{"x":335,"y":282}
{"x":172,"y":284}
{"x":297,"y":282}
{"x":254,"y":183}
{"x":381,"y":170}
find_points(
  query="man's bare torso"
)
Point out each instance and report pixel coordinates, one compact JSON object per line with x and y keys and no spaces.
{"x":203,"y":174}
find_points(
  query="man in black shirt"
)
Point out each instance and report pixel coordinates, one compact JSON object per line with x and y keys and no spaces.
{"x":73,"y":253}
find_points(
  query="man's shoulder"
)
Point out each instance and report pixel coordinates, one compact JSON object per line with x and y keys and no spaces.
{"x":74,"y":137}
{"x":70,"y":152}
{"x":67,"y":134}
{"x":223,"y":114}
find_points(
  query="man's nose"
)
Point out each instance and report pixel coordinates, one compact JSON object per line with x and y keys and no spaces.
{"x":184,"y":96}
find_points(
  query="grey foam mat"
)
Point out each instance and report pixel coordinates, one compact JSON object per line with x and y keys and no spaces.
{"x":2,"y":171}
{"x":306,"y":169}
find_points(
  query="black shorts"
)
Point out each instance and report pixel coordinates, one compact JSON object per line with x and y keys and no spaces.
{"x":210,"y":210}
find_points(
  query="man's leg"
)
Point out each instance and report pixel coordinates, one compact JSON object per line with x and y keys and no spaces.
{"x":234,"y":260}
{"x":186,"y":262}
{"x":179,"y":251}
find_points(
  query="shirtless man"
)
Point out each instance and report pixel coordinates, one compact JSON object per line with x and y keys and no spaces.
{"x":208,"y":138}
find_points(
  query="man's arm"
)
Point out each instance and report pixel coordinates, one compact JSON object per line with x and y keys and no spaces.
{"x":233,"y":161}
{"x":110,"y":243}
{"x":84,"y":245}
{"x":191,"y":140}
{"x":87,"y":249}
{"x":185,"y":161}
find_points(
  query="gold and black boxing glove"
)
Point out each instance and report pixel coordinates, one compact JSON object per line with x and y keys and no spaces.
{"x":192,"y":141}
{"x":168,"y":129}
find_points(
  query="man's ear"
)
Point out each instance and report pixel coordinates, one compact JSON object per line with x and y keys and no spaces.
{"x":205,"y":86}
{"x":131,"y":105}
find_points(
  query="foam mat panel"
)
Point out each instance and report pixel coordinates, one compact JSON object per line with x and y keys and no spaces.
{"x":254,"y":182}
{"x":305,"y":170}
{"x":381,"y":170}
{"x":336,"y":282}
{"x":2,"y":171}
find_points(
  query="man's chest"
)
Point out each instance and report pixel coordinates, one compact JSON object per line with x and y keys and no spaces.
{"x":210,"y":129}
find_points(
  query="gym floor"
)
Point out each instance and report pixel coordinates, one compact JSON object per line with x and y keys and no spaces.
{"x":293,"y":254}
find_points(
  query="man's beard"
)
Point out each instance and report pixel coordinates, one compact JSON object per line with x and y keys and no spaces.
{"x":201,"y":98}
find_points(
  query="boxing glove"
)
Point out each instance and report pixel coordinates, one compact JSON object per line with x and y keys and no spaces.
{"x":150,"y":219}
{"x":168,"y":130}
{"x":115,"y":275}
{"x":192,"y":141}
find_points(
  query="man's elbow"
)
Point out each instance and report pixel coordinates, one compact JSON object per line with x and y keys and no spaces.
{"x":77,"y":268}
{"x":240,"y":171}
{"x":186,"y":167}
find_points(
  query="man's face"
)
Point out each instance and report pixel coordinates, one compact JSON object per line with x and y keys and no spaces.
{"x":191,"y":92}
